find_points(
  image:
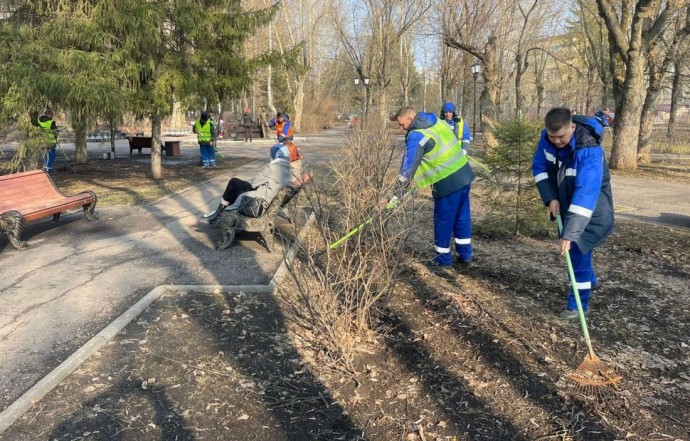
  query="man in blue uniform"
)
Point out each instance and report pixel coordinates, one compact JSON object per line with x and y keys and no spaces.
{"x":572,"y":176}
{"x":434,"y":156}
{"x":457,"y":124}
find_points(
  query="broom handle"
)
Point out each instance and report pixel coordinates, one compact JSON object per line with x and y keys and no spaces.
{"x":573,"y":284}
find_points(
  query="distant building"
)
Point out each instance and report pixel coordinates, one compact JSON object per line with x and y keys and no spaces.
{"x":663,"y":111}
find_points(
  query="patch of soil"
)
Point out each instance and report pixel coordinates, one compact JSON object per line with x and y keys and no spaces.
{"x":477,"y":353}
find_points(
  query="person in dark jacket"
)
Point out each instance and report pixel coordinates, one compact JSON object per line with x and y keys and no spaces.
{"x":434,"y":156}
{"x":263,"y":186}
{"x":247,"y":123}
{"x":47,"y":123}
{"x":573,"y":179}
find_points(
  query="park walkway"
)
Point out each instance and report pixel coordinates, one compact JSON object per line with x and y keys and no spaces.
{"x":77,"y":276}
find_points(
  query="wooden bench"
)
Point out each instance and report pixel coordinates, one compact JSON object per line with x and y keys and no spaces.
{"x":292,"y":195}
{"x":139,"y":142}
{"x":230,"y":221}
{"x":33,"y":195}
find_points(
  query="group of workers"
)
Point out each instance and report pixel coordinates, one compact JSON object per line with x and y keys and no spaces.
{"x":569,"y":168}
{"x":570,"y":172}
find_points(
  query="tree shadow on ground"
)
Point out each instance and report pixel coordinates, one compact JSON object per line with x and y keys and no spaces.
{"x":301,"y":405}
{"x":465,"y":409}
{"x":497,"y":354}
{"x":153,"y":404}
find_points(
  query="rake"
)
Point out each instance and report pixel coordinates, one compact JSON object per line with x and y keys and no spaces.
{"x":390,"y":206}
{"x":592,"y":376}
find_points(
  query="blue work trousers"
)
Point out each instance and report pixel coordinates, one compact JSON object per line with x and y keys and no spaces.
{"x":584,"y":275}
{"x":452,"y":217}
{"x":208,"y":154}
{"x":49,"y":159}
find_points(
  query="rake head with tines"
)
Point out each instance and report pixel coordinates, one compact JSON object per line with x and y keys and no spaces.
{"x":592,"y":376}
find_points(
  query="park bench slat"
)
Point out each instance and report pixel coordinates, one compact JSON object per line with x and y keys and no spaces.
{"x":32,"y":195}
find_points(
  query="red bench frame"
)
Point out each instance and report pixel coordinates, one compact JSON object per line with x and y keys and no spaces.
{"x":32,"y":195}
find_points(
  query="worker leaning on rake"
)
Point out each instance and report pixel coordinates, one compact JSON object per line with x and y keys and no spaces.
{"x":573,"y":180}
{"x":434,"y":156}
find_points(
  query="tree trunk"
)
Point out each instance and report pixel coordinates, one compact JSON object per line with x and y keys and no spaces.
{"x":269,"y":77}
{"x":492,"y":80}
{"x":676,"y":93}
{"x":644,"y":144}
{"x":519,"y":99}
{"x":383,"y":105}
{"x":79,"y":125}
{"x":628,"y":114}
{"x":156,"y":169}
{"x":298,"y":102}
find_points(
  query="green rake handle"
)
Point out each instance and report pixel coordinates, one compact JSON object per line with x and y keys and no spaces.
{"x":355,"y":230}
{"x":479,"y":164}
{"x":573,"y":284}
{"x":215,"y":142}
{"x":57,"y":144}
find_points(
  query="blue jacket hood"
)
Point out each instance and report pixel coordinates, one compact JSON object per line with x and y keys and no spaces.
{"x":423,"y":121}
{"x":448,"y":107}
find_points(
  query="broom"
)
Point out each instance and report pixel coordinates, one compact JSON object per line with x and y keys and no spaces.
{"x":592,"y":376}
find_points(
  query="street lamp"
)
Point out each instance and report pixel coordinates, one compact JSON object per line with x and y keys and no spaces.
{"x":364,"y":99}
{"x":476,"y":70}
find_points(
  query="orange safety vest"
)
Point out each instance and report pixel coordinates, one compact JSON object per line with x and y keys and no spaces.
{"x":279,"y":130}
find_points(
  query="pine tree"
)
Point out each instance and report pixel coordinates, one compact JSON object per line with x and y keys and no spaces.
{"x":513,"y":202}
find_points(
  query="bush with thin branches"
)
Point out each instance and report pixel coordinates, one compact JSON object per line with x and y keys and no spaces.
{"x":335,"y":294}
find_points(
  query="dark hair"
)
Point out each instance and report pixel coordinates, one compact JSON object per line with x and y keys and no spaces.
{"x":557,"y":118}
{"x":404,"y":111}
{"x":279,"y":114}
{"x":204,"y":115}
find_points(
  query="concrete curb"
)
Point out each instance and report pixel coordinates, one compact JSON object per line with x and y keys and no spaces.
{"x":22,"y":404}
{"x":281,"y":272}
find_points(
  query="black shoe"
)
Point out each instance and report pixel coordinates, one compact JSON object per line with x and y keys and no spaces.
{"x":572,"y":314}
{"x":463,"y":262}
{"x":213,"y":216}
{"x":439,"y":269}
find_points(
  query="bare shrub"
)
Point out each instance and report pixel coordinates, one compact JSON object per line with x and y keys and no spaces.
{"x":317,"y":114}
{"x":333,"y":294}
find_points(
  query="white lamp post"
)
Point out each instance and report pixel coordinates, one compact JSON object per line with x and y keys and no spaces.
{"x":476,"y":70}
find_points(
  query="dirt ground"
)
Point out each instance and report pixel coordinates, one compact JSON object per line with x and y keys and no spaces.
{"x":476,"y":354}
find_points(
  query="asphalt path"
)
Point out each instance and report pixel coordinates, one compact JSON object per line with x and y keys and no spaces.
{"x":77,"y":276}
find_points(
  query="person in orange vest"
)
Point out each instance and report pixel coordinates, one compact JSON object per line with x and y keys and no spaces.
{"x":283,"y":126}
